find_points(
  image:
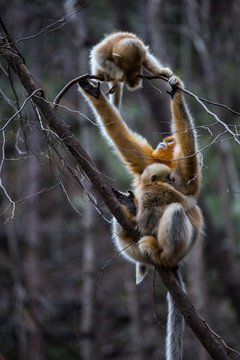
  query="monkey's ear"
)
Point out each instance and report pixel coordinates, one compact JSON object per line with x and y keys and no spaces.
{"x":117,"y":55}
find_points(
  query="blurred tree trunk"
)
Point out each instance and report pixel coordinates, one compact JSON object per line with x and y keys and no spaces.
{"x":19,"y":291}
{"x":87,"y":226}
{"x":87,"y":331}
{"x":199,"y":27}
{"x":133,"y":306}
{"x":196,"y":274}
{"x":159,"y":105}
{"x":156,"y":35}
{"x":120,"y":15}
{"x":32,"y":214}
{"x":32,"y":259}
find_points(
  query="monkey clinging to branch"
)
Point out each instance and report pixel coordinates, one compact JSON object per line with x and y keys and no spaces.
{"x":167,"y":216}
{"x":119,"y":58}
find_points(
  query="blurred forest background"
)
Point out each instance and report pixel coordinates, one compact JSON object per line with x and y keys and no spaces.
{"x":65,"y":292}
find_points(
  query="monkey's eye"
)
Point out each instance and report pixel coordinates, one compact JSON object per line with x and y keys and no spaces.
{"x":154,"y":178}
{"x":170,"y":141}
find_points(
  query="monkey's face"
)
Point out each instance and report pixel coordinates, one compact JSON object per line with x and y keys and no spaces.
{"x":165,"y":149}
{"x":156,"y":174}
{"x":132,"y":82}
{"x":131,"y":76}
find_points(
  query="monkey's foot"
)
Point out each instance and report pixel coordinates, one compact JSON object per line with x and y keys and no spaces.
{"x":168,"y":260}
{"x":89,"y":88}
{"x":175,"y":82}
{"x":149,"y":246}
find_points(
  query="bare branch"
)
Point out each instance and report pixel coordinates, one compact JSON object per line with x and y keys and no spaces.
{"x":1,"y":184}
{"x":71,"y":83}
{"x":200,"y":100}
{"x":49,"y":28}
{"x":21,"y":108}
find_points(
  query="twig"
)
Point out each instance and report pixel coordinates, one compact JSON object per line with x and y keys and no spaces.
{"x":21,"y":108}
{"x":191,"y":94}
{"x":71,"y":83}
{"x":220,"y":338}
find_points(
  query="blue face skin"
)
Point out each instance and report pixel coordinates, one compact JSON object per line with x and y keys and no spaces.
{"x":163,"y":144}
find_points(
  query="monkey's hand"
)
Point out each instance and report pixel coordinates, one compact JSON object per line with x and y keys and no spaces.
{"x":90,"y":88}
{"x":174,"y":82}
{"x":129,"y":201}
{"x":166,"y":72}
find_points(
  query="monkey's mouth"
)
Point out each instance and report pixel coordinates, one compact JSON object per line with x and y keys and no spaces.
{"x":132,"y":81}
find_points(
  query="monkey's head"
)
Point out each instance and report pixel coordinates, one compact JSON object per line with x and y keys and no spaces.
{"x":165,"y":150}
{"x":156,"y":173}
{"x":128,"y":55}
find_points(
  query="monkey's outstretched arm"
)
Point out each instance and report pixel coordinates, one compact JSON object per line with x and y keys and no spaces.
{"x":152,"y":65}
{"x":134,"y":149}
{"x":185,"y":134}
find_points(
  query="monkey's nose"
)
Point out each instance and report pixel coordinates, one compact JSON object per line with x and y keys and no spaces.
{"x":162,"y":145}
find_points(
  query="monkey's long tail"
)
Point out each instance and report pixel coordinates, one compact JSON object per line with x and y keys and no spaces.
{"x":175,"y":326}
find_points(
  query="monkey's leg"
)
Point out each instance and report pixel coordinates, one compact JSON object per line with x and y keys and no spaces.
{"x":149,"y":246}
{"x":116,"y":97}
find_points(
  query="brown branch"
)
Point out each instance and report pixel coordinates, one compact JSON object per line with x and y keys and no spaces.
{"x":198,"y":326}
{"x":71,"y":83}
{"x":191,"y":94}
{"x":152,"y":77}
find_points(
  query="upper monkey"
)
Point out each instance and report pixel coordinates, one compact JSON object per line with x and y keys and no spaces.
{"x":120,"y":57}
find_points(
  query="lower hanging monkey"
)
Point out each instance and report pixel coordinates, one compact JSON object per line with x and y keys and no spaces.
{"x":157,"y":216}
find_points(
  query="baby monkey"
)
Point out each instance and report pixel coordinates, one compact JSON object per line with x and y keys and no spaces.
{"x":168,"y":221}
{"x":119,"y":58}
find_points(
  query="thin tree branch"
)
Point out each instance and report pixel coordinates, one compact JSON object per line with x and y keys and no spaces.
{"x":198,"y":326}
{"x":100,"y":78}
{"x":71,"y":83}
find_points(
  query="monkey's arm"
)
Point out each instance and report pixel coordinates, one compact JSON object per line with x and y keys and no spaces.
{"x":152,"y":65}
{"x":185,"y":134}
{"x":134,"y":149}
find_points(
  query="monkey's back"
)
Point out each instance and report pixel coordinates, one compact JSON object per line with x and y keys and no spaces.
{"x":151,"y":206}
{"x":106,"y":46}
